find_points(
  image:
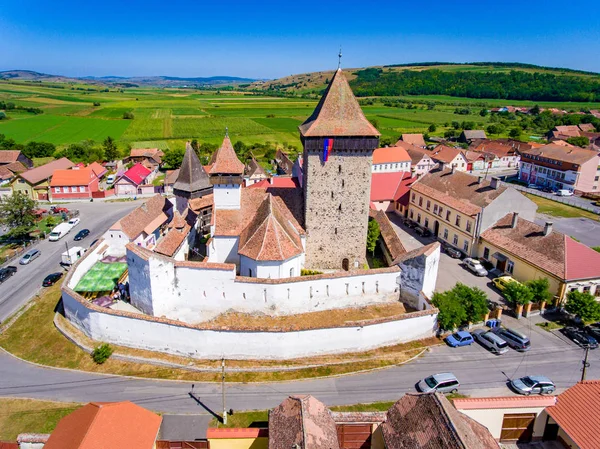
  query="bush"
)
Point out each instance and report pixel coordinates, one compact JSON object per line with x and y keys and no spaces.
{"x":583,"y":305}
{"x":96,"y":103}
{"x":304,"y":272}
{"x":540,"y":290}
{"x":517,"y":293}
{"x":460,"y":305}
{"x":102,"y":353}
{"x":128,"y":115}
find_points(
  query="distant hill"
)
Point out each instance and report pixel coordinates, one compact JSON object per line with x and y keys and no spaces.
{"x":315,"y":82}
{"x":159,"y":81}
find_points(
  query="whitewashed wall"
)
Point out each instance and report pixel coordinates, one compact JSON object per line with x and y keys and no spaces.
{"x":270,"y":269}
{"x":224,"y":250}
{"x":145,"y":333}
{"x":227,"y":196}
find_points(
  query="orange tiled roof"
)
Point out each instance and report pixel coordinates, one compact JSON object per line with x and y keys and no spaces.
{"x":389,"y":155}
{"x":445,"y":153}
{"x":504,"y":402}
{"x":338,"y":113}
{"x":134,"y":223}
{"x":572,"y":155}
{"x":225,"y":161}
{"x":97,"y":168}
{"x":577,"y":412}
{"x":81,"y":177}
{"x":99,"y":425}
{"x":414,"y":139}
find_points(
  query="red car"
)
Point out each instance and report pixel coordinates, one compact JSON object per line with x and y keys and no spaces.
{"x":59,"y":210}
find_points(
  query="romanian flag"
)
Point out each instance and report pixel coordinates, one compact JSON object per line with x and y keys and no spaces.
{"x":327,"y":147}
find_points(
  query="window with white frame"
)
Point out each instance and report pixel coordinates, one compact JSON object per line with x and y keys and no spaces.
{"x":435,"y":208}
{"x":81,"y":189}
{"x":56,"y":189}
{"x":468,"y":226}
{"x":510,"y":266}
{"x":466,"y":246}
{"x":455,"y":240}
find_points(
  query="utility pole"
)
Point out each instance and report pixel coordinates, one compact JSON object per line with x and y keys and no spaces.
{"x":585,"y":363}
{"x":223,"y":390}
{"x":68,"y":255}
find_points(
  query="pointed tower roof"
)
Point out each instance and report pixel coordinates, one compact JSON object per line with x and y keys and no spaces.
{"x":338,"y":113}
{"x":269,"y":236}
{"x":225,"y":161}
{"x":192,"y":176}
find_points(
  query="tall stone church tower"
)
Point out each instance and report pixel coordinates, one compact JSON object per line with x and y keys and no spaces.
{"x":338,"y":145}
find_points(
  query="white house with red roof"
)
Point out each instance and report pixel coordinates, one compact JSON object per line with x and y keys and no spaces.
{"x":388,"y":190}
{"x":391,"y":159}
{"x":135,"y":181}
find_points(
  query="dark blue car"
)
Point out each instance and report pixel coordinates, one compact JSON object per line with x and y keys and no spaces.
{"x":460,"y":338}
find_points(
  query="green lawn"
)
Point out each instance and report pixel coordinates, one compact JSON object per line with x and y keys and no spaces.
{"x":556,"y":209}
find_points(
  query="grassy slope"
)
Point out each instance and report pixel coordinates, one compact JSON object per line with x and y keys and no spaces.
{"x":30,"y":416}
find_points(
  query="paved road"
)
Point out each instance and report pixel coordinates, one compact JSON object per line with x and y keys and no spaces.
{"x":479,"y":372}
{"x":97,"y":217}
{"x":585,"y":230}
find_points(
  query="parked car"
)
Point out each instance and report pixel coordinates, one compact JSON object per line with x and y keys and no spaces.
{"x":423,"y":232}
{"x":82,"y":234}
{"x":460,"y":338}
{"x":533,"y":186}
{"x":580,"y":337}
{"x":564,"y":192}
{"x":74,"y":221}
{"x":533,"y":385}
{"x":30,"y":255}
{"x":409,"y":223}
{"x":442,"y":383}
{"x":501,"y":282}
{"x":593,"y":330}
{"x":475,"y":266}
{"x":491,"y":341}
{"x":452,"y":251}
{"x":7,"y":272}
{"x":51,"y":279}
{"x":515,"y":339}
{"x":547,"y":189}
{"x":59,"y":210}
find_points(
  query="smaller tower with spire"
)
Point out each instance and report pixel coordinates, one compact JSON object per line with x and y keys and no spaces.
{"x":192,"y":181}
{"x":226,"y":176}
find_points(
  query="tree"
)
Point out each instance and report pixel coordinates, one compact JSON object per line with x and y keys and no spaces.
{"x":194,"y":144}
{"x":16,"y":213}
{"x":540,"y":290}
{"x":483,"y":112}
{"x":451,"y":312}
{"x":432,"y":128}
{"x":580,"y":141}
{"x":111,"y":152}
{"x":517,"y":293}
{"x":535,"y":110}
{"x":373,"y":234}
{"x":473,"y":300}
{"x":128,"y":115}
{"x":3,"y":115}
{"x":583,"y":305}
{"x":515,"y":133}
{"x":173,"y":158}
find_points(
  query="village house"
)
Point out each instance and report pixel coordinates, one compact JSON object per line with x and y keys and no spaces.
{"x":170,"y":178}
{"x":12,"y":156}
{"x":391,"y":159}
{"x":99,"y":170}
{"x":564,"y":132}
{"x":528,"y":251}
{"x":73,"y":184}
{"x":253,"y":172}
{"x":420,"y":161}
{"x":457,"y":207}
{"x":503,"y":154}
{"x":413,"y":139}
{"x":151,"y":158}
{"x":35,"y":183}
{"x":284,"y":163}
{"x":135,"y":181}
{"x":569,"y":168}
{"x":449,"y":157}
{"x":9,"y":171}
{"x":389,"y":191}
{"x":468,"y":135}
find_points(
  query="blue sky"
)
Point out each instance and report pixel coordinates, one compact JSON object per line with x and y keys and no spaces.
{"x":271,"y":39}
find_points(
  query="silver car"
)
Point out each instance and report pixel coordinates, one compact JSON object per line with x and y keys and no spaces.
{"x":29,"y":256}
{"x":533,"y":385}
{"x":490,"y":341}
{"x":475,"y":266}
{"x":443,"y":383}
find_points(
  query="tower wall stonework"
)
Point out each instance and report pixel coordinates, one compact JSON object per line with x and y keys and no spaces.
{"x":336,"y":199}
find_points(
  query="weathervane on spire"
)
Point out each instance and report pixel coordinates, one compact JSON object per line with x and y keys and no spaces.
{"x":226,"y":131}
{"x":340,"y":57}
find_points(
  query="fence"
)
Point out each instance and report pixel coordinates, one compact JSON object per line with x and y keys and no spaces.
{"x":570,"y":201}
{"x":161,"y":444}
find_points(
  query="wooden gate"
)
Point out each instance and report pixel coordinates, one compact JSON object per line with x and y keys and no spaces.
{"x":354,"y":436}
{"x":517,"y":427}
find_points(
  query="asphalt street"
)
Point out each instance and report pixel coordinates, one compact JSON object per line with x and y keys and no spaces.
{"x":585,"y":230}
{"x":97,"y":217}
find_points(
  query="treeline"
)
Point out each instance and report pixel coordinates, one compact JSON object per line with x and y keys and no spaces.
{"x":9,"y":106}
{"x":520,"y":65}
{"x":30,"y":149}
{"x":516,"y":85}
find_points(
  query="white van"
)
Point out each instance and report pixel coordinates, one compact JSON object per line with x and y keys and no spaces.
{"x":60,"y":231}
{"x":564,"y":192}
{"x":110,"y":179}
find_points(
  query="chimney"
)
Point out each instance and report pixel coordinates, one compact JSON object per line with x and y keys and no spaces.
{"x":515,"y":220}
{"x":494,"y":183}
{"x":547,"y":228}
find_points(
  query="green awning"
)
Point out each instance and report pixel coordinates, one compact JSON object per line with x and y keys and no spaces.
{"x":102,"y":277}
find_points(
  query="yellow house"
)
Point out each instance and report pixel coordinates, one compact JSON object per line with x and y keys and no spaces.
{"x":35,"y":183}
{"x":456,"y":207}
{"x":528,"y":251}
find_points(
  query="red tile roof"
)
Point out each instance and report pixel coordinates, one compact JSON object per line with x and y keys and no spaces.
{"x":137,"y":174}
{"x":269,"y":236}
{"x":97,"y":168}
{"x":571,"y":154}
{"x":149,"y":153}
{"x":225,"y":161}
{"x":577,"y":412}
{"x":338,"y":113}
{"x":499,"y":149}
{"x":581,"y":261}
{"x":388,"y":233}
{"x":504,"y":402}
{"x":39,"y":174}
{"x":7,"y":156}
{"x":284,"y":182}
{"x":100,"y":425}
{"x":156,"y":209}
{"x":390,"y":186}
{"x":445,"y":153}
{"x":80,"y":177}
{"x":390,"y":155}
{"x":414,"y":139}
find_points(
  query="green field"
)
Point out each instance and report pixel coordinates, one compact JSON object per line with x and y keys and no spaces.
{"x":167,"y":118}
